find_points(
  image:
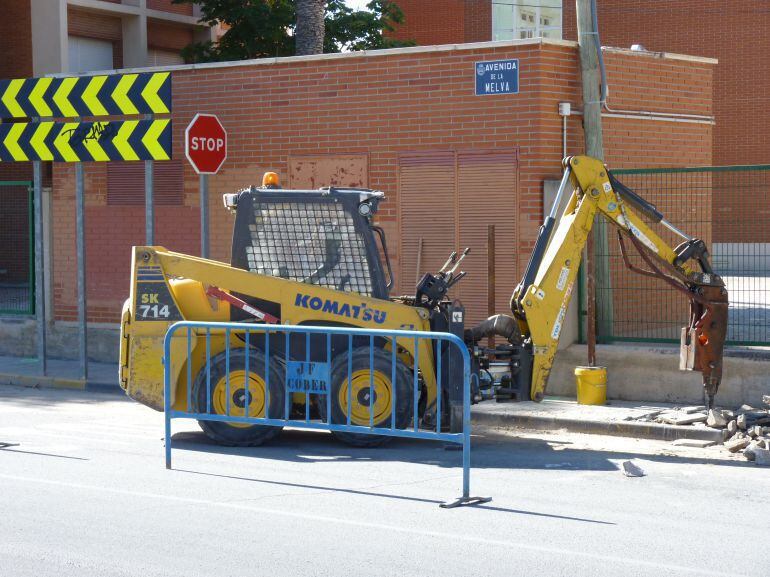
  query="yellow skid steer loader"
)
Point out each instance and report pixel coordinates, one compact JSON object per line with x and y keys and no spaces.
{"x":311,"y":257}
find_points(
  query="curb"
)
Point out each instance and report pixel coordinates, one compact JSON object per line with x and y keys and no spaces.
{"x":595,"y":427}
{"x":41,"y":381}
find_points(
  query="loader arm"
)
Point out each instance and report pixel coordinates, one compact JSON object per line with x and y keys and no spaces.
{"x":174,"y":286}
{"x":539,"y":302}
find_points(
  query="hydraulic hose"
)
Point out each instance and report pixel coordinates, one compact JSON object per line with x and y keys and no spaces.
{"x":498,"y":325}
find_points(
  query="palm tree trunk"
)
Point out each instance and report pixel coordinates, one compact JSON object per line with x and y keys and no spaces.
{"x":309,"y":33}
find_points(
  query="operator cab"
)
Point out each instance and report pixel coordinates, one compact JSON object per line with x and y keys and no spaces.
{"x":322,"y":237}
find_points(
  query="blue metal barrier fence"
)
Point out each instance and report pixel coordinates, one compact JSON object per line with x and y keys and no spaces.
{"x":309,"y":361}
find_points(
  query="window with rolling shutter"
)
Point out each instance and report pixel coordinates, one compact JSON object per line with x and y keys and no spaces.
{"x":447,"y":201}
{"x":487,"y":188}
{"x":125,"y":183}
{"x":426,"y":214}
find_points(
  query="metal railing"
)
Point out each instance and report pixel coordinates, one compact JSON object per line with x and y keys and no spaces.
{"x":724,"y":205}
{"x":316,"y":364}
{"x":17,"y":270}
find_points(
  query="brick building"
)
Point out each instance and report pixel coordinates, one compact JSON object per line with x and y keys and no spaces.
{"x":404,"y":121}
{"x":52,"y":36}
{"x":74,"y":36}
{"x":735,"y":32}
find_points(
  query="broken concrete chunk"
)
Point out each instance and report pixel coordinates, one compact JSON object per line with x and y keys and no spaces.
{"x":741,"y":421}
{"x":744,"y":409}
{"x":693,"y":409}
{"x":728,"y":414}
{"x":749,"y":452}
{"x":693,"y":443}
{"x":732,"y":427}
{"x":762,"y":457}
{"x":689,"y":419}
{"x":651,"y":416}
{"x":632,"y":470}
{"x":756,"y":431}
{"x":735,"y":445}
{"x":715,"y":419}
{"x":667,"y":416}
{"x":766,"y":400}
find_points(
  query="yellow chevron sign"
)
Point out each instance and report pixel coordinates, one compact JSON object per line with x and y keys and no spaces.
{"x":103,"y":95}
{"x":86,"y":141}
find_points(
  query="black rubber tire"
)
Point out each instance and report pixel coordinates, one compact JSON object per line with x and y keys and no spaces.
{"x":382,"y":363}
{"x":222,"y":432}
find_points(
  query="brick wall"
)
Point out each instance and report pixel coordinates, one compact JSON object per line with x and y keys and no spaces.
{"x":445,"y":21}
{"x":478,"y":20}
{"x":735,"y":33}
{"x":16,"y":40}
{"x":436,"y":22}
{"x":382,"y":106}
{"x":737,"y":36}
{"x":110,"y":232}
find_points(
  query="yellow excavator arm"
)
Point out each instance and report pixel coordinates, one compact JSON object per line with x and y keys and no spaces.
{"x":539,"y":303}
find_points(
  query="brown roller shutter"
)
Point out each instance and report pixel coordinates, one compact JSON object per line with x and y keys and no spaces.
{"x":426,"y":211}
{"x":448,"y":199}
{"x":125,"y":183}
{"x":486,"y":183}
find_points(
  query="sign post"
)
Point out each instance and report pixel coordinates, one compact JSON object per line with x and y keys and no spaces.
{"x":205,"y":146}
{"x":57,"y":133}
{"x":40,"y":312}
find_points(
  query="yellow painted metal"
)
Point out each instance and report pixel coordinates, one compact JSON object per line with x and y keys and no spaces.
{"x":187,"y":276}
{"x":547,"y":299}
{"x":591,"y":383}
{"x":359,"y":413}
{"x":194,"y":303}
{"x":220,"y":398}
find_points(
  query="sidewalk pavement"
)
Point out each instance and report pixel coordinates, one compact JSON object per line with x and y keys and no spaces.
{"x":552,"y":414}
{"x":61,"y":374}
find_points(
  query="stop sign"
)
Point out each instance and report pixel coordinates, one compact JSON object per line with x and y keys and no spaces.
{"x":205,"y":144}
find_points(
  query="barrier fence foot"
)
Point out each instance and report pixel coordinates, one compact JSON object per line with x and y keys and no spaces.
{"x":465,"y":501}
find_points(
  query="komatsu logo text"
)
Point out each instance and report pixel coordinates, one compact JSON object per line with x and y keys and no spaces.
{"x":361,"y":311}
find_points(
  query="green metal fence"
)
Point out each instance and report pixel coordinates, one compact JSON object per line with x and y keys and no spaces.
{"x":17,"y":267}
{"x":728,"y":207}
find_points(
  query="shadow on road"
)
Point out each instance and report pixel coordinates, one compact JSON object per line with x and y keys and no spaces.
{"x":490,"y":451}
{"x":388,"y":496}
{"x":5,"y":448}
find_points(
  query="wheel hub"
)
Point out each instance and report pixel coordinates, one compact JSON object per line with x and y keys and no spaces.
{"x":239,"y":398}
{"x":363,"y":397}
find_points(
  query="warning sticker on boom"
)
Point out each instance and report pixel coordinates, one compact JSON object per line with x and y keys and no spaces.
{"x":562,"y":281}
{"x":557,"y":325}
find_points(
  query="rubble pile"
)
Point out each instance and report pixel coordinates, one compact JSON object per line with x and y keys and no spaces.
{"x":744,"y":430}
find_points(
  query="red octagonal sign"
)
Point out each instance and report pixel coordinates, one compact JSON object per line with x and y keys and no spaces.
{"x":205,"y":144}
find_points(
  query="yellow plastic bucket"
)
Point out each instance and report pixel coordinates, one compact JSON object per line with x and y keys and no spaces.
{"x":591,"y":385}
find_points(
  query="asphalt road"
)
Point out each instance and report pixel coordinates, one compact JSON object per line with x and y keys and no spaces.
{"x":85,"y":493}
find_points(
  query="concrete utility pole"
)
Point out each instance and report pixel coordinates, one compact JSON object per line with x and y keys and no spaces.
{"x":592,"y":128}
